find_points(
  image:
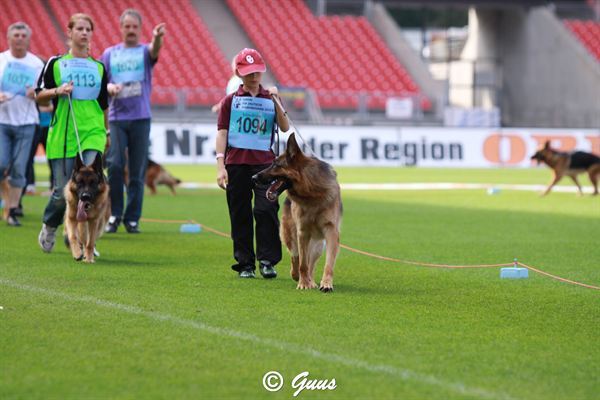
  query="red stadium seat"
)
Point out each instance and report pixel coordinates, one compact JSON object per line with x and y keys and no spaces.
{"x":339,"y":57}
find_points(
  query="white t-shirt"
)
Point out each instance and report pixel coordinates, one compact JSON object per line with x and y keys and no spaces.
{"x":15,"y":75}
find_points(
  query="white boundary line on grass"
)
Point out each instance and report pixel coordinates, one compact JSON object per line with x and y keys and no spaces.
{"x":425,"y":186}
{"x":404,"y":374}
{"x":415,"y":186}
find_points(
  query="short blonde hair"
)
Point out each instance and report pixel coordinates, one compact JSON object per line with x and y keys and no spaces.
{"x":75,"y":17}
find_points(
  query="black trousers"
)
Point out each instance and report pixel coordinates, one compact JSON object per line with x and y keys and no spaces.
{"x":242,"y":214}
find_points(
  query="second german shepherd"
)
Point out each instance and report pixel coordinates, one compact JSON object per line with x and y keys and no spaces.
{"x":312,"y":212}
{"x":569,"y":164}
{"x":157,"y":175}
{"x":88,"y":208}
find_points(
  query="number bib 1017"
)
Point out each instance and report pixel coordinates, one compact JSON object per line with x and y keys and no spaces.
{"x":251,"y":123}
{"x":85,"y":77}
{"x":17,"y":77}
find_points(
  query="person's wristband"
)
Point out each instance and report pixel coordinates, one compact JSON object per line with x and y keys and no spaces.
{"x":220,"y":155}
{"x":55,"y":92}
{"x":108,"y":132}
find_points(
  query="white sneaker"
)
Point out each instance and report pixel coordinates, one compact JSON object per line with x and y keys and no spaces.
{"x":46,"y":238}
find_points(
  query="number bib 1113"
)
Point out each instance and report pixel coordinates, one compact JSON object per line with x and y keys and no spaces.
{"x":17,"y":77}
{"x":251,"y":123}
{"x":85,"y":77}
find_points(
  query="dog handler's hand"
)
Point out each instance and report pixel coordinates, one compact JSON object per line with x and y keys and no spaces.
{"x":65,"y":88}
{"x":30,"y":92}
{"x":222,"y":178}
{"x":114,"y":88}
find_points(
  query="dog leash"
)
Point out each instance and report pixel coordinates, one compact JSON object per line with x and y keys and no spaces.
{"x":75,"y":126}
{"x":398,"y":260}
{"x":276,"y":100}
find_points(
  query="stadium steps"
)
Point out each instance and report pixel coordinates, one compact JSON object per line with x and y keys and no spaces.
{"x":57,"y":26}
{"x":228,"y":33}
{"x":391,"y":33}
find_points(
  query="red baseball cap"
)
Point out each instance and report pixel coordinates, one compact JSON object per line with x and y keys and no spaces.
{"x":249,"y":61}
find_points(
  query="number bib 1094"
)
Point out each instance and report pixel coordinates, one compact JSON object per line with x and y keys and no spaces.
{"x":251,"y":123}
{"x":85,"y":77}
{"x":17,"y":77}
{"x":127,"y":65}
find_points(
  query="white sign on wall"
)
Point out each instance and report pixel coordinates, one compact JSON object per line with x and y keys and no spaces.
{"x":387,"y":146}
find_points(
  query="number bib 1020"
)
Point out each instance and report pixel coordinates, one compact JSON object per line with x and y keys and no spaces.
{"x":85,"y":77}
{"x":17,"y":77}
{"x":251,"y":123}
{"x":127,"y":65}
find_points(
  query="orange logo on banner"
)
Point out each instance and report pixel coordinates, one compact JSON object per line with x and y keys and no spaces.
{"x":560,"y":143}
{"x":595,"y":143}
{"x":516,"y":144}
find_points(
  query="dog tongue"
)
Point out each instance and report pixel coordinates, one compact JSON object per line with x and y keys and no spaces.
{"x":81,"y":214}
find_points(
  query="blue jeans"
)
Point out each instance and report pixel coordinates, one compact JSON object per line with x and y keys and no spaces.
{"x":15,"y":145}
{"x":62,"y":169}
{"x":129,"y":141}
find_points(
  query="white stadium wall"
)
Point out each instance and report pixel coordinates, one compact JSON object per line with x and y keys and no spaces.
{"x":388,"y":146}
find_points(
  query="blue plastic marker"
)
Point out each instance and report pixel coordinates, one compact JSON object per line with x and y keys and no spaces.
{"x":190,"y":228}
{"x":514,"y":272}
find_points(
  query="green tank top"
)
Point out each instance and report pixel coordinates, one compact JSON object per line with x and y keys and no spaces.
{"x":89,"y":116}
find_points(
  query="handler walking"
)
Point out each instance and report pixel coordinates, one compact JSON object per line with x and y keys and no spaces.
{"x":246,"y":128}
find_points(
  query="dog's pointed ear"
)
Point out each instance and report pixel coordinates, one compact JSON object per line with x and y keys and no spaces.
{"x":292,"y":149}
{"x":98,"y":167}
{"x":547,"y":145}
{"x":78,"y":164}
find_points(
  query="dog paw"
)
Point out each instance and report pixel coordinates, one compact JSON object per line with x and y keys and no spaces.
{"x":295,"y":275}
{"x":326,"y":287}
{"x":306,"y":285}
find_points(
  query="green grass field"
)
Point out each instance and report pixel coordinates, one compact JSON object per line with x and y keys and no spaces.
{"x":161,"y":315}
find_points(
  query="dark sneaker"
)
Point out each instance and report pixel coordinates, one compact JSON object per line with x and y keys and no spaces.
{"x":247,"y":273}
{"x":113,"y":224}
{"x":267,"y":270}
{"x":19,"y":212}
{"x":46,"y":238}
{"x":12,"y":218}
{"x":132,"y":227}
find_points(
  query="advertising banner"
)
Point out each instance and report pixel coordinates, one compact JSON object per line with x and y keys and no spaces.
{"x":387,"y":146}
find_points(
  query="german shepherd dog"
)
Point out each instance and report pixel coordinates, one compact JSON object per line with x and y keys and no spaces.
{"x":88,"y":208}
{"x":157,"y":175}
{"x":569,"y":164}
{"x":312,"y":212}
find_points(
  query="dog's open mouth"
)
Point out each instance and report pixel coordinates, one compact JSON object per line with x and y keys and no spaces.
{"x":82,"y":209}
{"x":277,"y":187}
